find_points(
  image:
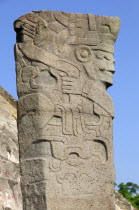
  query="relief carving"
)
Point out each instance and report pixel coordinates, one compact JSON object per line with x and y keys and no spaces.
{"x":64,"y":66}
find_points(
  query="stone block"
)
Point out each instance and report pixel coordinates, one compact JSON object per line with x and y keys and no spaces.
{"x":64,"y":66}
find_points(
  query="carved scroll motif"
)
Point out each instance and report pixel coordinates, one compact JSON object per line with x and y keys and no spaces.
{"x":64,"y":66}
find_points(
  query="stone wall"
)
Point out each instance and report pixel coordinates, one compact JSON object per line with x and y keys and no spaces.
{"x":10,"y":194}
{"x":122,"y":203}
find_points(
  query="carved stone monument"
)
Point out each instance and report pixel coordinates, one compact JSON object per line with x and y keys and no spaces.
{"x":64,"y":67}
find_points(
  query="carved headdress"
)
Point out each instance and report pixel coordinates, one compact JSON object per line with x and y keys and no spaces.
{"x":99,"y":32}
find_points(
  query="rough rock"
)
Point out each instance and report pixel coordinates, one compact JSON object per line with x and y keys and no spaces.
{"x":122,"y":203}
{"x":10,"y":192}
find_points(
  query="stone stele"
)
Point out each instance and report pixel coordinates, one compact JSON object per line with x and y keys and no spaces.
{"x":64,"y":65}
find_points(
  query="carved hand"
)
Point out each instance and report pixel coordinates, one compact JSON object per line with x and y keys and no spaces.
{"x":31,"y":28}
{"x":72,"y":85}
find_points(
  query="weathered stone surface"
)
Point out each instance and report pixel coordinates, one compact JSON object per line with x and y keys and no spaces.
{"x":64,"y":66}
{"x":122,"y":203}
{"x":10,"y":192}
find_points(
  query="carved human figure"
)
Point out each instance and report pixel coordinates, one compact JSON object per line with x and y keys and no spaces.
{"x":64,"y":66}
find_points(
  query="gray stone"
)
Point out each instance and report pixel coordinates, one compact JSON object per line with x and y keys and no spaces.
{"x":64,"y":67}
{"x":10,"y":191}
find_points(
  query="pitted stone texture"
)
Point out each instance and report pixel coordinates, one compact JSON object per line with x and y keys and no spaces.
{"x":64,"y":66}
{"x":10,"y":192}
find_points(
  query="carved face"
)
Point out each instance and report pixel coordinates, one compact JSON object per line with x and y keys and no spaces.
{"x":105,"y":67}
{"x":98,"y":63}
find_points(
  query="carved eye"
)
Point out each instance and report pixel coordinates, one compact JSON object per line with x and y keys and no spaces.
{"x":83,"y":53}
{"x":100,"y":55}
